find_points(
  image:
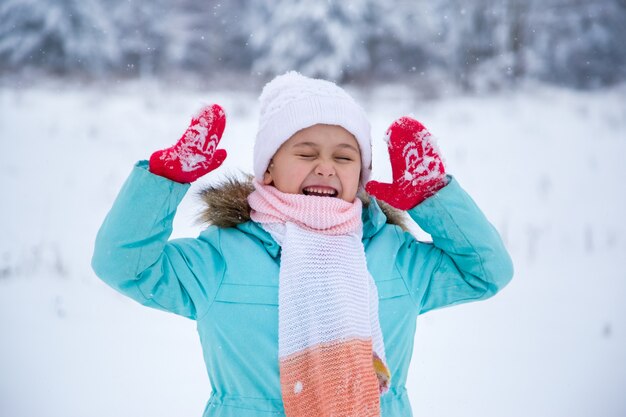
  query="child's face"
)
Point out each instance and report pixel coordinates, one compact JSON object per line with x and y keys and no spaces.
{"x":322,"y":160}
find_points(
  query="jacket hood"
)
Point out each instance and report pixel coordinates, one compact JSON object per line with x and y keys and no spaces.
{"x":226,"y":205}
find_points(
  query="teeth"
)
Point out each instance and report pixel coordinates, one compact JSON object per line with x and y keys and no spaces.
{"x":319,"y":191}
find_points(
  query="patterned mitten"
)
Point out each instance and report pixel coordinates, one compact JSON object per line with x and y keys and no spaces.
{"x":196,"y":153}
{"x":416,"y":166}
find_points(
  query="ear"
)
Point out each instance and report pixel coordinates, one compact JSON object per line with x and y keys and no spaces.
{"x":267,"y":177}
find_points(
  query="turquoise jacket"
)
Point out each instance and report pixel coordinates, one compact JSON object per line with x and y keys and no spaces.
{"x":227,"y":280}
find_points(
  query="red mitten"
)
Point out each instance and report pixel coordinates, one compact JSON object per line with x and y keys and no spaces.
{"x":195,"y":154}
{"x":416,"y":166}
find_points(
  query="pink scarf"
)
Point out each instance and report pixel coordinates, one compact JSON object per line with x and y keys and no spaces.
{"x":331,"y":350}
{"x":326,"y":215}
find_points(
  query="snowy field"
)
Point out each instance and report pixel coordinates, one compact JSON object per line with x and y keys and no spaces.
{"x":546,"y":165}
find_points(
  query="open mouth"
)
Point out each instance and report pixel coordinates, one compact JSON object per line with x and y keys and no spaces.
{"x":320,"y":191}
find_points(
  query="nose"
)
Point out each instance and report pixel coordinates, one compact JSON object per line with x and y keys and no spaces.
{"x":325,"y":169}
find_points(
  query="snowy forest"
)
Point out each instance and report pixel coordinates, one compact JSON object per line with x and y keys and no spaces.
{"x":527,"y":101}
{"x":474,"y":45}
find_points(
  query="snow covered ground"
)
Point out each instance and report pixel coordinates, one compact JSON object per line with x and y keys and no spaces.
{"x":546,"y":165}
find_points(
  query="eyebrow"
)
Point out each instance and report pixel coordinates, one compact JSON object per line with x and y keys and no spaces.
{"x":315,"y":145}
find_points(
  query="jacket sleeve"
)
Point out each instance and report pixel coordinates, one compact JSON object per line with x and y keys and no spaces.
{"x":132,"y":253}
{"x":466,"y":261}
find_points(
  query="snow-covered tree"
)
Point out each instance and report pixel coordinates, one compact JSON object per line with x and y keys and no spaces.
{"x":470,"y":36}
{"x":326,"y":38}
{"x":401,"y":38}
{"x":145,"y":35}
{"x":61,"y":36}
{"x":570,"y":42}
{"x":580,"y":43}
{"x":211,"y":36}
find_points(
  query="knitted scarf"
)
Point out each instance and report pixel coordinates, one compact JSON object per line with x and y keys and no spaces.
{"x":331,"y":352}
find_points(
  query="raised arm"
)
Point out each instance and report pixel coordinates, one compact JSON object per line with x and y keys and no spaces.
{"x":467,"y":260}
{"x":132,"y":251}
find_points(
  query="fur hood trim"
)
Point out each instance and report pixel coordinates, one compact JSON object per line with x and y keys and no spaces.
{"x":226,"y":203}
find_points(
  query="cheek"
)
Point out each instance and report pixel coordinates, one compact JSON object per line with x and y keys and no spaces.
{"x":352,"y":177}
{"x":290,"y":177}
{"x":295,"y":172}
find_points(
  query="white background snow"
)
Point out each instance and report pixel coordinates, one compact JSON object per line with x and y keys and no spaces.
{"x":546,"y":165}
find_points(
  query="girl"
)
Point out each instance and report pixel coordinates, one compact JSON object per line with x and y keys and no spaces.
{"x":305,"y":288}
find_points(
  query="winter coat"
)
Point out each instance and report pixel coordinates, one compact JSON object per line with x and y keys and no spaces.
{"x":227,"y":280}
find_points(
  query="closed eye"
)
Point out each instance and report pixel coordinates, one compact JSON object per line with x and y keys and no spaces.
{"x":344,"y":158}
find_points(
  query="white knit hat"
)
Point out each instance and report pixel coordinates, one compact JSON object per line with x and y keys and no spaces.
{"x":292,"y":102}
